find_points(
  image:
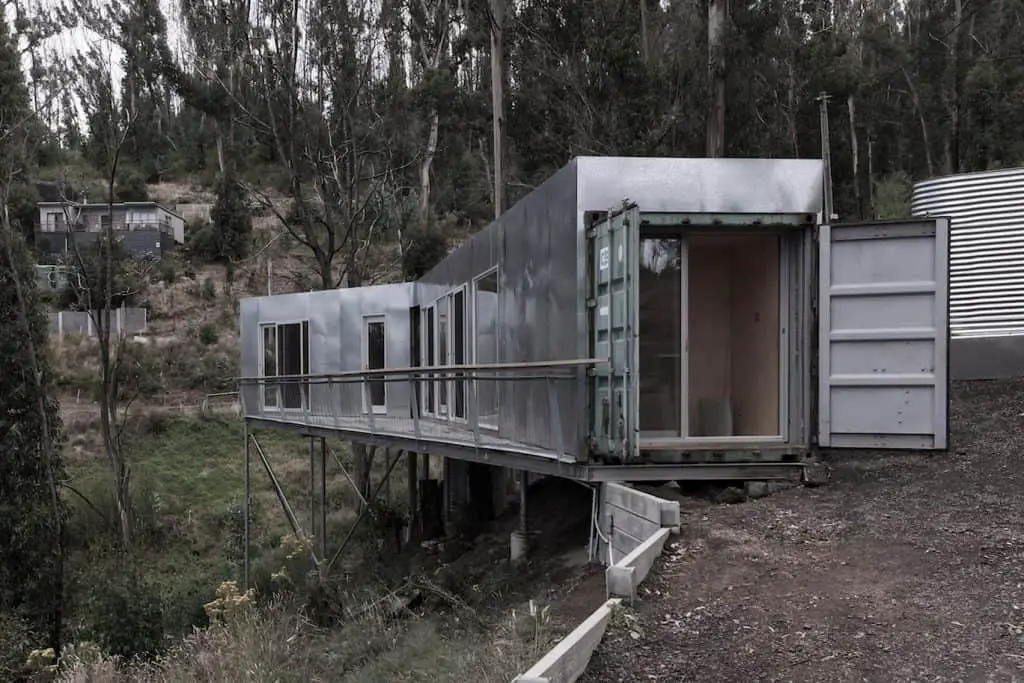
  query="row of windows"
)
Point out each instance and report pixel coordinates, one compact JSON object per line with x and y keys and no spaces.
{"x":446,"y":330}
{"x":456,"y":334}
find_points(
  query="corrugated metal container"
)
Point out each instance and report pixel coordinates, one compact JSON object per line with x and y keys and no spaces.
{"x":986,"y":248}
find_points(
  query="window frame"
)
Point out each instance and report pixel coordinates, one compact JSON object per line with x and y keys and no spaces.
{"x":428,"y":351}
{"x":454,"y":383}
{"x":442,"y":306}
{"x":305,"y":352}
{"x":367,"y":394}
{"x":496,"y":272}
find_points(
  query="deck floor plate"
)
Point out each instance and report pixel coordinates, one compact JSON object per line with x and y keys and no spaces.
{"x":429,"y":430}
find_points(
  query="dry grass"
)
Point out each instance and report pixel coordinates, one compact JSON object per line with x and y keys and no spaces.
{"x":276,"y":643}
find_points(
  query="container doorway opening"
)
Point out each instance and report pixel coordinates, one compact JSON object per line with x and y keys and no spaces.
{"x":711,"y":336}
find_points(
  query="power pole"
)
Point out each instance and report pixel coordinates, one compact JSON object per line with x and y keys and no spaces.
{"x":826,"y":156}
{"x":498,"y":101}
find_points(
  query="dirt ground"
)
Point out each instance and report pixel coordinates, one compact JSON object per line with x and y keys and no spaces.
{"x":903,"y":568}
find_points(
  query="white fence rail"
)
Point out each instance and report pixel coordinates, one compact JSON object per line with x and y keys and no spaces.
{"x":122,"y":320}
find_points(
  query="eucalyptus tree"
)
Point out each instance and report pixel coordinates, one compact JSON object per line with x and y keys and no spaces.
{"x":31,"y":510}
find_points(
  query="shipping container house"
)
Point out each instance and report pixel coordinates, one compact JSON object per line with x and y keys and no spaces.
{"x":631,"y":319}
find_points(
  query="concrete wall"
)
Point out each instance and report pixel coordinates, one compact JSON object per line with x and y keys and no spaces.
{"x":986,"y":358}
{"x":629,"y":517}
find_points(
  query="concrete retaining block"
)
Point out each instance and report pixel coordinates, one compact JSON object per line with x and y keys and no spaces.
{"x":640,"y":522}
{"x":624,"y":577}
{"x":568,"y":660}
{"x":629,"y":517}
{"x":664,"y":512}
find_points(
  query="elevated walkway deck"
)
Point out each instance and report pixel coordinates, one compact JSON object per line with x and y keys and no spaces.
{"x":334,"y":407}
{"x":434,"y":437}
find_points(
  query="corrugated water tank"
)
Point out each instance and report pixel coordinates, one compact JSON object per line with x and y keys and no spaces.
{"x":986,"y":209}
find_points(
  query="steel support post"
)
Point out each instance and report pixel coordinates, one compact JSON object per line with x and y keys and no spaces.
{"x":520,"y":541}
{"x":323,"y":497}
{"x":312,"y":489}
{"x":245,"y":506}
{"x":411,"y":472}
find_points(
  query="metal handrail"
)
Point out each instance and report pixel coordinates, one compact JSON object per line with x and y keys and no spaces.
{"x":403,"y":373}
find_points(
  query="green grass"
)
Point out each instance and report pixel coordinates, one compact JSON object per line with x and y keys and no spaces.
{"x":196,"y":464}
{"x":187,"y":489}
{"x":188,"y":486}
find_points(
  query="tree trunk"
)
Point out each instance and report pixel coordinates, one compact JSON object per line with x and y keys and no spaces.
{"x":645,"y":50}
{"x":854,"y":153}
{"x":951,"y":138}
{"x":871,"y":175}
{"x":47,"y":446}
{"x":428,"y":160}
{"x":924,"y":124}
{"x":498,"y":102}
{"x":362,"y":465}
{"x":718,"y":13}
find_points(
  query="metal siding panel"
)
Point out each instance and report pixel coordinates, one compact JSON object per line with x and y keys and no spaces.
{"x":882,"y":346}
{"x":335,"y":338}
{"x":986,"y":284}
{"x":701,"y":185}
{"x":534,"y":246}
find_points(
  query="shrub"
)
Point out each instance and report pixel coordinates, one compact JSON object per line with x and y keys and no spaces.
{"x":209,"y":290}
{"x":122,"y":612}
{"x":131,"y":186}
{"x":207,"y":335}
{"x":93,"y":521}
{"x":427,"y":247}
{"x":167,"y":271}
{"x":15,"y":643}
{"x":227,"y":235}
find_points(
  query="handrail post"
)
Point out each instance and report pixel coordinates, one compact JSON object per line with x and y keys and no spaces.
{"x":414,"y":396}
{"x":368,"y":403}
{"x":336,"y":390}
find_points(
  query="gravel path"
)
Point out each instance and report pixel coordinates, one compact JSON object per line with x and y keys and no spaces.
{"x":903,"y":568}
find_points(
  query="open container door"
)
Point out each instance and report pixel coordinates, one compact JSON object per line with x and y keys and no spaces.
{"x":614,"y":246}
{"x":884,"y":335}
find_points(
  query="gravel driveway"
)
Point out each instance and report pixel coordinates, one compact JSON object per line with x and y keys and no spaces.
{"x":903,"y":568}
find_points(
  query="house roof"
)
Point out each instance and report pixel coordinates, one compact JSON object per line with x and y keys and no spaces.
{"x":103,"y":205}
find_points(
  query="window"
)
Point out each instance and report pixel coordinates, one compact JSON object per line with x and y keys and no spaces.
{"x":429,"y":355}
{"x":416,"y":357}
{"x":442,"y":353}
{"x":270,"y":391}
{"x":375,"y":358}
{"x":485,"y":339}
{"x":286,"y":355}
{"x":458,"y":299}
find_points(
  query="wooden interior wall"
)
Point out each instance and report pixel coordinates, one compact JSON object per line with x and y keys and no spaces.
{"x":733,"y":329}
{"x":755,"y":336}
{"x":709,"y":326}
